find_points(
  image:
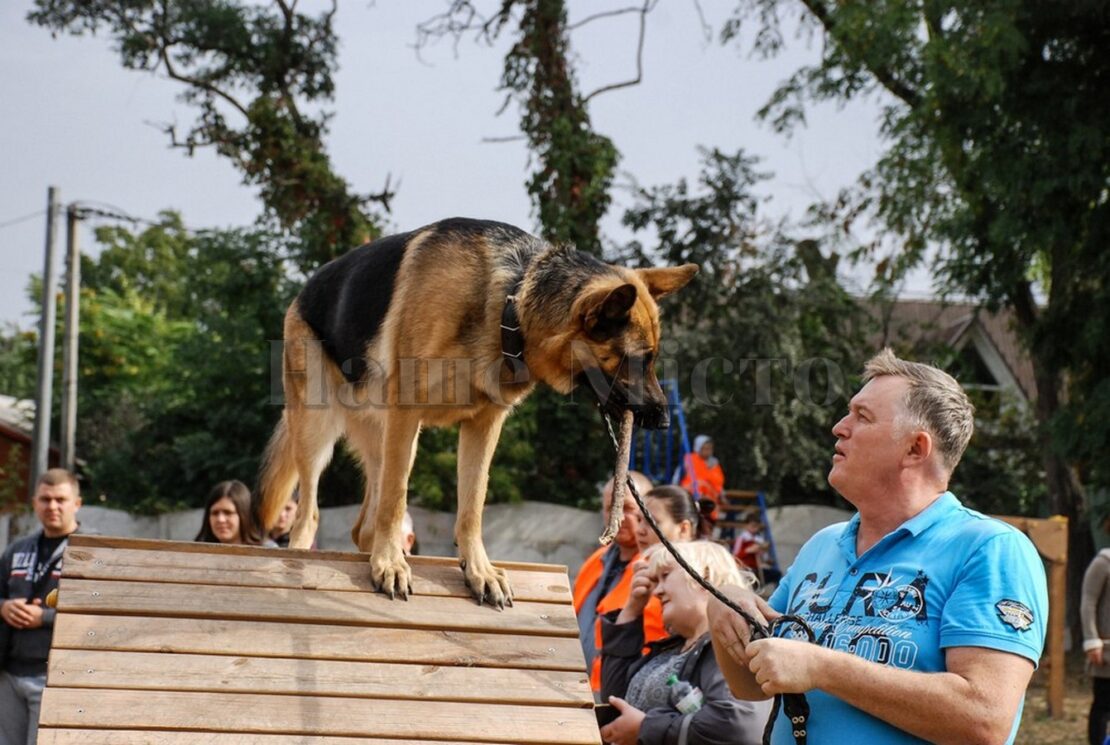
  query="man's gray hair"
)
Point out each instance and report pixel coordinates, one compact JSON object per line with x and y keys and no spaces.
{"x":935,"y":402}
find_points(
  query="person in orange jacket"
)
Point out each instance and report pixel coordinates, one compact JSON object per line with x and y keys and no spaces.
{"x":604,"y":581}
{"x":702,"y":475}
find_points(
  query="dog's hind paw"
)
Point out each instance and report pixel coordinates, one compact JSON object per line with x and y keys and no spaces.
{"x":392,"y":576}
{"x":488,"y":584}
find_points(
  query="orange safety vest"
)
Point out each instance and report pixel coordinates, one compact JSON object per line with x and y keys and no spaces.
{"x":711,"y":481}
{"x":588,"y":577}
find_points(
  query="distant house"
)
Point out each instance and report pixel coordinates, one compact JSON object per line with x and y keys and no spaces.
{"x":17,"y":423}
{"x":983,"y":349}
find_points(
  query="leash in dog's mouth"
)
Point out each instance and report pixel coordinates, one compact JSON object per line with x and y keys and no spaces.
{"x":794,"y":704}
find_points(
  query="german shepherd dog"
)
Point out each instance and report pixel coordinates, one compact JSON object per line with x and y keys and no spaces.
{"x":407,"y":332}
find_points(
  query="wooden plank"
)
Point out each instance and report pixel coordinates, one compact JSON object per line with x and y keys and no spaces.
{"x":318,"y":715}
{"x":310,"y":606}
{"x":84,"y":540}
{"x":153,"y":737}
{"x":276,"y":569}
{"x":320,"y":642}
{"x":241,"y":674}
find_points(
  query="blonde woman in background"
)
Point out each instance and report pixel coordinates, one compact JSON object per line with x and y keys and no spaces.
{"x":636,"y":683}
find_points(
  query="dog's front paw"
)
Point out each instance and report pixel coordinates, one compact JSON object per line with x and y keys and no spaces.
{"x":487,"y":582}
{"x":390,"y":573}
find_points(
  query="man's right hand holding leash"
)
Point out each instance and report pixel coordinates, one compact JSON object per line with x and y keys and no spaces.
{"x":731,"y":636}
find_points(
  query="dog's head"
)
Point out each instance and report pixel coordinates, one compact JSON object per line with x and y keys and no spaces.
{"x":617,"y":340}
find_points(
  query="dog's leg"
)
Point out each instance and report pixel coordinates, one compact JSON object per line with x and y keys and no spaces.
{"x":365,"y":437}
{"x":477,"y":441}
{"x":389,"y":571}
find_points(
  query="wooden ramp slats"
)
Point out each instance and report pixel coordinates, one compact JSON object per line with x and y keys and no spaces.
{"x":181,"y":548}
{"x":319,"y":642}
{"x":275,"y":569}
{"x":318,"y":715}
{"x":310,"y":606}
{"x":156,"y":737}
{"x":164,"y":643}
{"x":153,"y":671}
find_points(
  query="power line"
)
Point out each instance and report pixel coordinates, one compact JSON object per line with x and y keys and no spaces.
{"x":24,"y":218}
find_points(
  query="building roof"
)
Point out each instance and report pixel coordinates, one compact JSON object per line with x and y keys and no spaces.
{"x":920,"y":325}
{"x":17,"y":415}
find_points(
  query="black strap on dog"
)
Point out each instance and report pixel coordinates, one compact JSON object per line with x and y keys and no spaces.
{"x":512,"y":340}
{"x":794,"y":704}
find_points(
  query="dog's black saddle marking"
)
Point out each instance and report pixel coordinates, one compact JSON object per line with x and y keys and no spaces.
{"x":346,"y":301}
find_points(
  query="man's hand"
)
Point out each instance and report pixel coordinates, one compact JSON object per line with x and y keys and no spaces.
{"x":785,"y":665}
{"x":731,"y":632}
{"x":639,"y":592}
{"x":625,"y":729}
{"x":1094,"y":656}
{"x":20,"y":614}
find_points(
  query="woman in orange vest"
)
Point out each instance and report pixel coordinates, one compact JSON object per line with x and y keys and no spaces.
{"x":702,"y":475}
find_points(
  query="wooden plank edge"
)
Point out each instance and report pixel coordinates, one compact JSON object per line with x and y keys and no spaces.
{"x":151,"y":544}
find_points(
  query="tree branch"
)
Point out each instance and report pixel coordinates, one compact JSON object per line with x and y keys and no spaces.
{"x":646,"y":8}
{"x":885,"y":77}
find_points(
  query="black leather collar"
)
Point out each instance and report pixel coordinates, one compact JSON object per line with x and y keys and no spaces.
{"x":512,"y":340}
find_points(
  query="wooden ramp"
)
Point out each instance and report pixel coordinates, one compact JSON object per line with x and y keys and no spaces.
{"x":161,"y":642}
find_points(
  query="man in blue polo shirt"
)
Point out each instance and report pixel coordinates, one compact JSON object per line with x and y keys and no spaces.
{"x":930,"y":617}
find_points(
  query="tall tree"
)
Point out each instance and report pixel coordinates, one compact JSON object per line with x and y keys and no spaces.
{"x":570,"y":188}
{"x":768,"y":344}
{"x":258,"y":75}
{"x":997,"y":123}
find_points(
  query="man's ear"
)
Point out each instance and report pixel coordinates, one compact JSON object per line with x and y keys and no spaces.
{"x":920,"y":447}
{"x":607,"y":310}
{"x":662,"y":281}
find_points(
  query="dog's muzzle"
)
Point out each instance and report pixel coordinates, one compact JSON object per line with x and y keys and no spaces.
{"x":613,"y":398}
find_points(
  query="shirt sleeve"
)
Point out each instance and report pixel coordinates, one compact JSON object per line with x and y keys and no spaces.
{"x":1094,"y":586}
{"x":1000,"y":599}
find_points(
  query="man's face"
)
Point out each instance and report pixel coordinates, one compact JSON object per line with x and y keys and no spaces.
{"x":56,"y":508}
{"x":626,"y":535}
{"x":869,"y":446}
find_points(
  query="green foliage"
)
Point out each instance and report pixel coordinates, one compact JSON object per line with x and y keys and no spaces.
{"x":257,"y":75}
{"x":574,"y":165}
{"x":18,"y":360}
{"x":174,"y":390}
{"x":765,"y":343}
{"x":999,"y":157}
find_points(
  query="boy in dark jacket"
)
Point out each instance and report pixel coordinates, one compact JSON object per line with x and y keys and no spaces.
{"x":29,"y":570}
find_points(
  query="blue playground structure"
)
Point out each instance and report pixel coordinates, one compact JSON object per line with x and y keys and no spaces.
{"x":661,"y":455}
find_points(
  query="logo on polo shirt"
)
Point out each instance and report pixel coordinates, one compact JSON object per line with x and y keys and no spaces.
{"x":1018,"y":615}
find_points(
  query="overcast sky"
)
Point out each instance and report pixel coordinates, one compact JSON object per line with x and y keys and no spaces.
{"x":74,"y":118}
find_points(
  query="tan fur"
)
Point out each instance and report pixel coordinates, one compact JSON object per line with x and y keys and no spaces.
{"x":425,"y":373}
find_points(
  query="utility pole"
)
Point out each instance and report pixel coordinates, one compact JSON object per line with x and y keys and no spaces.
{"x":69,"y":340}
{"x":45,"y":392}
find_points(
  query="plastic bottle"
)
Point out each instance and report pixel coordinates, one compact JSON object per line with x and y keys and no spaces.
{"x":685,"y":697}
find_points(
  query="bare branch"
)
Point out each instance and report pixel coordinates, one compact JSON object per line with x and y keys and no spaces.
{"x":604,"y":14}
{"x":647,"y":7}
{"x":706,"y":28}
{"x":507,"y":138}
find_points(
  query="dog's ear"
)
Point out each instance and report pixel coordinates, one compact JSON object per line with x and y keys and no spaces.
{"x":662,"y":281}
{"x":607,"y":310}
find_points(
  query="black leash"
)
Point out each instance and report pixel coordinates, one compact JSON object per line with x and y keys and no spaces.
{"x":794,"y":704}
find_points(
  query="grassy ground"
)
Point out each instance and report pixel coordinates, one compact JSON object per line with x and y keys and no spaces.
{"x":1036,"y":726}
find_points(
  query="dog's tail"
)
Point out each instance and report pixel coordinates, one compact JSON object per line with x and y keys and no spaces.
{"x":278,"y":477}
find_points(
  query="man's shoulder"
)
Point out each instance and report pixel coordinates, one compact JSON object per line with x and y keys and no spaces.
{"x":23,"y":543}
{"x":972,"y":529}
